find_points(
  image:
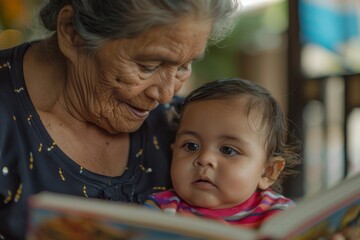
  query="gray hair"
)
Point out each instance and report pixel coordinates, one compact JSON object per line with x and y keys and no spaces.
{"x":100,"y":20}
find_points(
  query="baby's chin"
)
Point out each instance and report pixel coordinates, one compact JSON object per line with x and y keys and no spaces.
{"x":208,"y":203}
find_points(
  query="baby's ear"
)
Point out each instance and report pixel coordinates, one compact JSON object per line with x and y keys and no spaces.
{"x":271,"y":172}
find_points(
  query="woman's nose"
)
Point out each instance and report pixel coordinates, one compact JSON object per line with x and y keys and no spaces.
{"x":162,"y":93}
{"x":164,"y":87}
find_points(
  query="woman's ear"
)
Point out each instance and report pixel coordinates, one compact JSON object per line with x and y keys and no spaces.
{"x":68,"y":38}
{"x":271,"y":172}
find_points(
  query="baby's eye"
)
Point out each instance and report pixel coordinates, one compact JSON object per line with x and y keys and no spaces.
{"x":228,"y":151}
{"x":191,"y":147}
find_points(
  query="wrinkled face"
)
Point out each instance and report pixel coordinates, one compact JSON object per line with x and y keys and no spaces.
{"x":219,"y":155}
{"x":125,"y":79}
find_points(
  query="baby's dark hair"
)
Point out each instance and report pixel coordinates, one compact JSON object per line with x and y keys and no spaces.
{"x":273,"y":119}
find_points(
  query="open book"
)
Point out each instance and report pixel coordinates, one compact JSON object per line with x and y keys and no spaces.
{"x":56,"y":216}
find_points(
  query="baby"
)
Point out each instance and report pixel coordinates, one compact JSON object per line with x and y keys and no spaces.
{"x":230,"y":155}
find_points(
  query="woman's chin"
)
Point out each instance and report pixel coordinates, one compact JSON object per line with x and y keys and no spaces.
{"x":123,"y":127}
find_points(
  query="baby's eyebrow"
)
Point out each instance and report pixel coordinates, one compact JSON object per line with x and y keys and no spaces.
{"x":243,"y":141}
{"x":186,"y":132}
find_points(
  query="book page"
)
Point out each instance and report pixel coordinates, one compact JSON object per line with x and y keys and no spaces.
{"x":321,"y":215}
{"x":70,"y":217}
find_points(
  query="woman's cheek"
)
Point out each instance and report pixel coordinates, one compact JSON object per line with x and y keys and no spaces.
{"x":179,"y":85}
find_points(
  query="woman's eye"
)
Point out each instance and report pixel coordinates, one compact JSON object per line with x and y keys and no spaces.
{"x":184,"y":68}
{"x":191,"y":147}
{"x":228,"y":151}
{"x":184,"y":72}
{"x":147,"y":69}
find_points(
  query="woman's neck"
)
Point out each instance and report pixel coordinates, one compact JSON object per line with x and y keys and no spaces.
{"x":45,"y":74}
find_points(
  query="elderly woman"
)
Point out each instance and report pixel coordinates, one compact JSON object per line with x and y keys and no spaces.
{"x":83,"y":111}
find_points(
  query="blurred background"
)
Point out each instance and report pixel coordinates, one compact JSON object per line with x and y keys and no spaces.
{"x":306,"y":52}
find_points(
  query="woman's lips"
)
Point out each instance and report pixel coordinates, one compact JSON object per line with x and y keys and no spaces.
{"x":138,"y":113}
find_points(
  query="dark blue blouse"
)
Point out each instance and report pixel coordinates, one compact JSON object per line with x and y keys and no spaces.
{"x":30,"y":161}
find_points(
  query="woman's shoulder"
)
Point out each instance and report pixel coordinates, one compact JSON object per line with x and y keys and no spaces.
{"x":11,"y":71}
{"x":6,"y":55}
{"x":5,"y":59}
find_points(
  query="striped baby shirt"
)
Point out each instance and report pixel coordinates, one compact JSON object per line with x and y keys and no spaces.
{"x":251,"y":213}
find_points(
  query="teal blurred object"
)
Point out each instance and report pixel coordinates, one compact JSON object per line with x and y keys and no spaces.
{"x":328,"y":24}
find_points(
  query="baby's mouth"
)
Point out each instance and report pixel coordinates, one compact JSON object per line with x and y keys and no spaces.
{"x":204,"y":182}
